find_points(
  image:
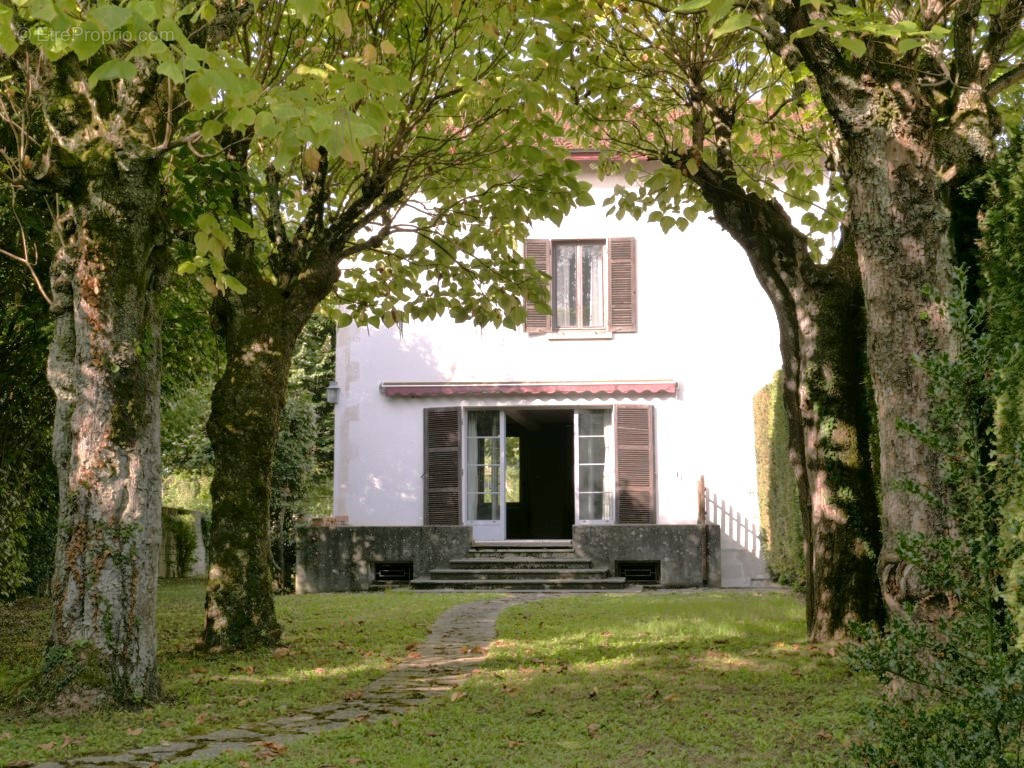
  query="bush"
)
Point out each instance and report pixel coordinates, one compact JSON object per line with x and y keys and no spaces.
{"x":179,"y":541}
{"x":779,"y":501}
{"x":954,"y":671}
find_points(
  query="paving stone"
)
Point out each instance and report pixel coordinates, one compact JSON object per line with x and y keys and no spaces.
{"x":231,"y":734}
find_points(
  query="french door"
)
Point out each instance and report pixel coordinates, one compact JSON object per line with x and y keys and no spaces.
{"x":485,"y":474}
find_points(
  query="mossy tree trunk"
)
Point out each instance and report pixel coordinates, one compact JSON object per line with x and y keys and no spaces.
{"x":820,"y":311}
{"x":104,"y":367}
{"x":260,"y":329}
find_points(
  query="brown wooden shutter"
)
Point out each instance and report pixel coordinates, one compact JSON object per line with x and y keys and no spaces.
{"x":539,"y":252}
{"x":622,"y":285}
{"x":442,"y":462}
{"x":635,"y":473}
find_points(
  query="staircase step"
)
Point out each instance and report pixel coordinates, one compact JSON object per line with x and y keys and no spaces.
{"x":520,"y":562}
{"x":518,"y":574}
{"x":524,"y":543}
{"x":612,"y":582}
{"x":536,"y":552}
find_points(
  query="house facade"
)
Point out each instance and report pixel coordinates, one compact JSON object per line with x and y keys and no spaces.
{"x":590,"y":424}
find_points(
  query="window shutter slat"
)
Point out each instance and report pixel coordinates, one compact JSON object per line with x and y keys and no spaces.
{"x":635,"y":468}
{"x":539,"y":252}
{"x":622,"y":285}
{"x":441,"y":466}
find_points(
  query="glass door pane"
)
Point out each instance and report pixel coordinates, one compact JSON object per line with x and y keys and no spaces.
{"x":595,"y":480}
{"x":483,"y":462}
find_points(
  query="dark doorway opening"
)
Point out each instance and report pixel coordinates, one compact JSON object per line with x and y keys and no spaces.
{"x":539,"y":473}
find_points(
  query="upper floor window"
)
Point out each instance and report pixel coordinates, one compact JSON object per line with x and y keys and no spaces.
{"x":593,"y":286}
{"x":579,"y":285}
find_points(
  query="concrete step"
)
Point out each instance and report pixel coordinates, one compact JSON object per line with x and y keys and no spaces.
{"x":536,"y":552}
{"x":567,"y":561}
{"x":518,"y":574}
{"x":521,"y":543}
{"x":612,"y":582}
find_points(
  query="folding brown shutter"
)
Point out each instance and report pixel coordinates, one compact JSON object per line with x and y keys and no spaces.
{"x":634,"y":464}
{"x":622,"y":284}
{"x":441,"y":466}
{"x":539,"y":252}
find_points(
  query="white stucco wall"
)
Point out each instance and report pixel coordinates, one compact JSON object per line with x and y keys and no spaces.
{"x":703,"y":321}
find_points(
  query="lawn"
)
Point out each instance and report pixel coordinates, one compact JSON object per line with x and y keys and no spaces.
{"x":709,"y":679}
{"x":334,"y":644}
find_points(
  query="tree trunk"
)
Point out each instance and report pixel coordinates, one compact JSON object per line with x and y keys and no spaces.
{"x":104,"y":367}
{"x":901,"y":226}
{"x":248,"y":401}
{"x":821,"y":328}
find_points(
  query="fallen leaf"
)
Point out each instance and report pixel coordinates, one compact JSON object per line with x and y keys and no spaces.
{"x":48,"y":746}
{"x":515,"y":744}
{"x":354,"y":760}
{"x":281,"y":651}
{"x":243,"y":764}
{"x":592,"y":729}
{"x":5,"y":735}
{"x":320,"y":671}
{"x":168,"y":724}
{"x":201,"y":718}
{"x":456,"y":695}
{"x":133,"y":731}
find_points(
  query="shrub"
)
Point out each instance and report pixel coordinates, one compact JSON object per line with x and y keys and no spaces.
{"x":179,"y":541}
{"x":777,"y":493}
{"x":954,"y":673}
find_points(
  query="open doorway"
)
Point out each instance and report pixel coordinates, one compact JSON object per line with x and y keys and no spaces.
{"x":539,"y":473}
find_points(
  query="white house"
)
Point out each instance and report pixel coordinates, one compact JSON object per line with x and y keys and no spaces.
{"x":604,"y":414}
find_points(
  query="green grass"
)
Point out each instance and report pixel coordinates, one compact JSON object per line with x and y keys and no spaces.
{"x":709,"y":679}
{"x":336,"y":644}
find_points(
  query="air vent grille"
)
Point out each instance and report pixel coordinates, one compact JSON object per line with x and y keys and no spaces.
{"x":639,"y":571}
{"x":393,"y":572}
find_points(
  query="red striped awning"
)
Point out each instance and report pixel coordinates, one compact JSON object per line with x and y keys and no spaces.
{"x":528,"y":388}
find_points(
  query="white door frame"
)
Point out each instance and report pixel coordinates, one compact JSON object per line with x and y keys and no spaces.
{"x":485,"y":530}
{"x":609,"y":463}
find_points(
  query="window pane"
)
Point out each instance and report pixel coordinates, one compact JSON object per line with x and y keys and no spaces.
{"x":565,"y":285}
{"x":591,"y":479}
{"x":486,"y":507}
{"x":593,"y":422}
{"x":591,"y":450}
{"x":483,"y":423}
{"x":592,"y":506}
{"x":489,"y":451}
{"x":486,"y":479}
{"x":512,"y":470}
{"x":593,"y":286}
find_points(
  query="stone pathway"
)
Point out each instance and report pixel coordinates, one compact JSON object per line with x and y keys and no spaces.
{"x":456,"y":644}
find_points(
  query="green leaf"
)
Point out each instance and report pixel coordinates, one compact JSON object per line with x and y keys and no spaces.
{"x":172,"y":71}
{"x":854,"y":45}
{"x":115,"y":69}
{"x":342,"y":22}
{"x":734,"y":23}
{"x":907,"y":44}
{"x":8,"y":40}
{"x":110,"y":17}
{"x":718,"y":10}
{"x":234,"y":284}
{"x":692,"y":5}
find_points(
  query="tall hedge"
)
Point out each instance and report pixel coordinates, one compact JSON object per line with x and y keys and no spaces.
{"x":776,"y":488}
